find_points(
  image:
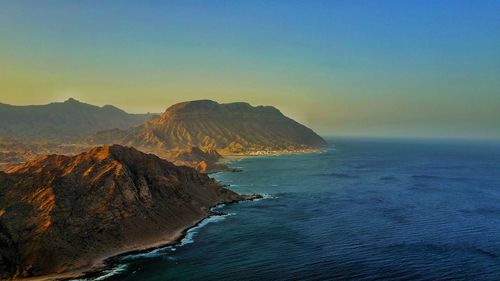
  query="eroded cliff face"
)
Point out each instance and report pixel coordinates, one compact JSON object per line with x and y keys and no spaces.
{"x":234,"y":128}
{"x":60,"y":213}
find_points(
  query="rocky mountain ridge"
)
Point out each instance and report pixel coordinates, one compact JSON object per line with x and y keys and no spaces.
{"x":61,"y":213}
{"x":63,"y":120}
{"x":233,"y":128}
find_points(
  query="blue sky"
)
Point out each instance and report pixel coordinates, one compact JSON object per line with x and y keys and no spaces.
{"x":378,"y":68}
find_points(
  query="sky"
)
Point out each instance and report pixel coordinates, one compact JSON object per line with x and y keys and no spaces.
{"x":356,"y":68}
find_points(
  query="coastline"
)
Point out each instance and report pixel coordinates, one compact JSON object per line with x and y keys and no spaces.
{"x":106,"y":261}
{"x":232,"y":157}
{"x":273,"y":152}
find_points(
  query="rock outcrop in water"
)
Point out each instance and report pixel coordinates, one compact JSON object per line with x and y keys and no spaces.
{"x":233,"y":128}
{"x":61,"y":213}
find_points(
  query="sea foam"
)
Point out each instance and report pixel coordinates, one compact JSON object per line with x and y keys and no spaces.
{"x":187,"y":239}
{"x":106,"y":273}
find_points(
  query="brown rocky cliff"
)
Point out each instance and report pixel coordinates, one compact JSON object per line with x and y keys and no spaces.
{"x":228,"y":128}
{"x":61,"y":213}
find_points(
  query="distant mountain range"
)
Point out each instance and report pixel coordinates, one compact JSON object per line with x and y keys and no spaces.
{"x":233,"y":128}
{"x":63,"y":120}
{"x":193,"y":133}
{"x":60,"y":213}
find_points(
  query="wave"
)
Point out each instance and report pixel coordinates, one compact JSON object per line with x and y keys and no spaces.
{"x":336,"y":175}
{"x":114,"y":271}
{"x":237,"y":185}
{"x":106,"y":273}
{"x":151,"y":254}
{"x":188,"y":238}
{"x":445,"y":248}
{"x":388,"y":178}
{"x":190,"y":233}
{"x":265,"y":196}
{"x":434,"y":177}
{"x":430,"y":177}
{"x":482,"y":211}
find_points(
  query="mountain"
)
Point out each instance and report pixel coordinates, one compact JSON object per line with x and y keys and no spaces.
{"x":233,"y":128}
{"x":60,"y":120}
{"x":62,"y":213}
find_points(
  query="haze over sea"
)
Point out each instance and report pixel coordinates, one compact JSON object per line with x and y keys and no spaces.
{"x":364,"y":209}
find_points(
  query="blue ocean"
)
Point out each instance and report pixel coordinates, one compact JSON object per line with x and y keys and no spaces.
{"x":364,"y":209}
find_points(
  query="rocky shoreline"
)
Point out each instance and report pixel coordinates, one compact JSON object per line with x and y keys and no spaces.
{"x":64,"y":215}
{"x":68,"y":207}
{"x":111,"y":260}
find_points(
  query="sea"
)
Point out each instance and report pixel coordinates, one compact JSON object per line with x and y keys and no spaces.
{"x":363,"y":209}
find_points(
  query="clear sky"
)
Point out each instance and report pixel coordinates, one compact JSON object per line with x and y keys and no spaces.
{"x":381,"y":68}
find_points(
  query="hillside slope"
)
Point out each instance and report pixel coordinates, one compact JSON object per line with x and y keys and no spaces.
{"x":61,"y":213}
{"x":234,"y":128}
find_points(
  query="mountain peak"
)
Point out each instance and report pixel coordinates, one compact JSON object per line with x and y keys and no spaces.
{"x":101,"y":152}
{"x":72,"y":100}
{"x":116,"y":152}
{"x":228,"y":127}
{"x":70,"y":119}
{"x":210,"y":106}
{"x":194,"y":105}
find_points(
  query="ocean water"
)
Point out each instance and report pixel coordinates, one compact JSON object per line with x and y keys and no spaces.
{"x":365,"y":209}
